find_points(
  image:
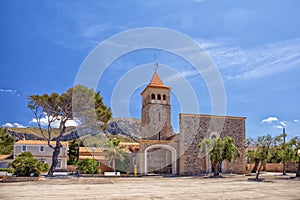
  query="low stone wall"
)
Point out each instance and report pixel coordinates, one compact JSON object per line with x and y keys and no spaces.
{"x":277,"y":167}
{"x":18,"y":179}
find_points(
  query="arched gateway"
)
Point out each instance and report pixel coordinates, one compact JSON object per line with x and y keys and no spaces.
{"x":168,"y":160}
{"x":163,"y":152}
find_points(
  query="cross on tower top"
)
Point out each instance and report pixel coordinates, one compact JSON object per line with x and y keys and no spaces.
{"x":155,"y":63}
{"x":155,"y":66}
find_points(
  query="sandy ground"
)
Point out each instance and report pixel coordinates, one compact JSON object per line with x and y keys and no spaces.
{"x":275,"y":186}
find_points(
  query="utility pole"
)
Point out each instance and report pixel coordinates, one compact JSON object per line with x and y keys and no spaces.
{"x":93,"y":152}
{"x":284,"y":136}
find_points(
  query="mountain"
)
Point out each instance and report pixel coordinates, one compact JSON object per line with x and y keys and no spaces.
{"x":127,"y":127}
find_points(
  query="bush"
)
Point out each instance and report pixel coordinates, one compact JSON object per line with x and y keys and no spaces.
{"x":99,"y":171}
{"x":26,"y":165}
{"x":86,"y":166}
{"x":9,"y":170}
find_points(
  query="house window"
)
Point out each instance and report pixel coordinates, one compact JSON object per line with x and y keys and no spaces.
{"x":59,"y":164}
{"x":159,"y":97}
{"x":24,"y":148}
{"x":42,"y":148}
{"x":43,"y":160}
{"x":164,"y":97}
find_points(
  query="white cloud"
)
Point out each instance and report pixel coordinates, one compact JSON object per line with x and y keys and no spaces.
{"x":283,"y":123}
{"x":17,"y":125}
{"x":8,"y":125}
{"x":296,"y":120}
{"x":10,"y":91}
{"x":279,"y":127}
{"x":235,"y":62}
{"x":55,"y":124}
{"x":184,"y":74}
{"x":13,"y":125}
{"x":270,"y":120}
{"x":94,"y":30}
{"x":275,"y":122}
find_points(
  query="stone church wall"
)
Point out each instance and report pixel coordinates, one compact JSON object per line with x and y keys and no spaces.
{"x":194,"y":128}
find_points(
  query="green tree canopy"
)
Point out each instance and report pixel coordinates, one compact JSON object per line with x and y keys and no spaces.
{"x":219,"y":150}
{"x":284,"y":151}
{"x":79,"y":102}
{"x":6,"y":142}
{"x":73,"y":152}
{"x":263,"y":146}
{"x":295,"y":142}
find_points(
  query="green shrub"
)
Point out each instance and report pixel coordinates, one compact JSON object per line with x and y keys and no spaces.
{"x":9,"y":170}
{"x":86,"y":166}
{"x":99,"y":171}
{"x":26,"y":165}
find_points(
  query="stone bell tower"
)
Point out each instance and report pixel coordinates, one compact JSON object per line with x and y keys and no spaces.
{"x":156,"y":110}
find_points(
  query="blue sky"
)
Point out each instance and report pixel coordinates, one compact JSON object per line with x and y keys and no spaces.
{"x":255,"y":46}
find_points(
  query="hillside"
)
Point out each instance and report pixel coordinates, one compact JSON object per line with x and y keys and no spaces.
{"x":124,"y":129}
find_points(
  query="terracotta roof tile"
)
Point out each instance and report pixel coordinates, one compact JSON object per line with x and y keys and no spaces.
{"x":156,"y":81}
{"x":3,"y":157}
{"x":39,"y":142}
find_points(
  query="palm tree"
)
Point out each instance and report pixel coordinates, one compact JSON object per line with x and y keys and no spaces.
{"x":114,"y":151}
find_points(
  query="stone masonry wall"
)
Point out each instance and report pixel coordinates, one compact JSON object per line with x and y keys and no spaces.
{"x":193,"y":128}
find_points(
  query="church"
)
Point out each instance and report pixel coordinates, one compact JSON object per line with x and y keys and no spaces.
{"x":163,"y":152}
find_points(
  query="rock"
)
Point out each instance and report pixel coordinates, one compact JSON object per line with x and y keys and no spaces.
{"x":23,"y":136}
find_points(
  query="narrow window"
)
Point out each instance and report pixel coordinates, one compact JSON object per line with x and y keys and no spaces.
{"x":42,"y":148}
{"x":159,"y":97}
{"x":24,"y":148}
{"x":159,"y":117}
{"x":164,"y":97}
{"x":152,"y":96}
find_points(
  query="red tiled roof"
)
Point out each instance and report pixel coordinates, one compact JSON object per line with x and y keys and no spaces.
{"x":39,"y":142}
{"x":157,"y":82}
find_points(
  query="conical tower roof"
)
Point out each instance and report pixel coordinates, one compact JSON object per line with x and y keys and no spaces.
{"x":156,"y":82}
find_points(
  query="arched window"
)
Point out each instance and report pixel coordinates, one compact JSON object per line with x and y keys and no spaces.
{"x":158,"y":97}
{"x":152,"y":96}
{"x":164,"y":97}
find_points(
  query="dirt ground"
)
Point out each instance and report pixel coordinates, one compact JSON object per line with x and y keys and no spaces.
{"x":275,"y":186}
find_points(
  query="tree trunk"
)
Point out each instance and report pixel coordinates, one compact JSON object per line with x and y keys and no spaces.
{"x":114,"y":164}
{"x":217,"y":167}
{"x":298,"y":170}
{"x":283,"y":168}
{"x":55,"y":154}
{"x":255,"y":166}
{"x":259,"y":171}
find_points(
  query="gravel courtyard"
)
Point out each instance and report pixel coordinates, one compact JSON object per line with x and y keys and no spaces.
{"x":275,"y":186}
